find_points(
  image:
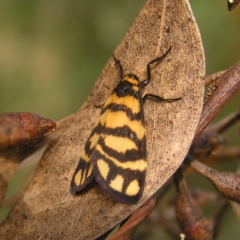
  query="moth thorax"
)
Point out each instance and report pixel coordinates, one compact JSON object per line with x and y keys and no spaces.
{"x":127,"y":86}
{"x":131,"y":78}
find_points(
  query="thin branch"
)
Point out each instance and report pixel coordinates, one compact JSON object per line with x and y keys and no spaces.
{"x":228,"y":85}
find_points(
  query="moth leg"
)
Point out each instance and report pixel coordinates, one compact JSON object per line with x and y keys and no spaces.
{"x":118,"y":63}
{"x":158,"y":98}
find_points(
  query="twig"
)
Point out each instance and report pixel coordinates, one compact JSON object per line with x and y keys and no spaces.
{"x":228,"y":85}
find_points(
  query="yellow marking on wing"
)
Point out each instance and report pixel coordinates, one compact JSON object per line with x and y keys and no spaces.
{"x":103,"y":168}
{"x":133,"y":188}
{"x":130,"y":102}
{"x":139,"y":165}
{"x":85,"y":157}
{"x":120,"y":119}
{"x":117,"y":183}
{"x":84,"y":176}
{"x":135,"y":88}
{"x":104,"y":117}
{"x":78,"y":178}
{"x":119,"y":144}
{"x":94,"y":140}
{"x":112,"y":99}
{"x":131,"y":80}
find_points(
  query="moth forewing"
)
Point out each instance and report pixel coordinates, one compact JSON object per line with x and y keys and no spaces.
{"x":83,"y":173}
{"x":119,"y":158}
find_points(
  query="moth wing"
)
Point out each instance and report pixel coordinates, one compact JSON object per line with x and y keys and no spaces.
{"x":83,"y":174}
{"x":119,"y":158}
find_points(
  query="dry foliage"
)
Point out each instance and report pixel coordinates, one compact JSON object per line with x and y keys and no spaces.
{"x":46,"y":208}
{"x":19,"y":128}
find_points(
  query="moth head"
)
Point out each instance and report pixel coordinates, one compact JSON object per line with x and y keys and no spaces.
{"x":127,"y":85}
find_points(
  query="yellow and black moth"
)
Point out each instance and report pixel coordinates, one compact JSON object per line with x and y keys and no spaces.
{"x":115,"y":153}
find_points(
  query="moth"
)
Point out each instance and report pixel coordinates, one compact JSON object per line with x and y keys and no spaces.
{"x":115,"y":152}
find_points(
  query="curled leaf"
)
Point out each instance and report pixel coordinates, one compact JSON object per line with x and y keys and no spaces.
{"x":227,"y":183}
{"x":35,"y":125}
{"x":188,"y":213}
{"x":11,"y":133}
{"x":18,"y":128}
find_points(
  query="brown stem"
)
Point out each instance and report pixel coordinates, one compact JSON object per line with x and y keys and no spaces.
{"x":228,"y":85}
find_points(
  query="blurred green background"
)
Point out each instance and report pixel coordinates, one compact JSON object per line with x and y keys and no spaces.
{"x":51,"y":52}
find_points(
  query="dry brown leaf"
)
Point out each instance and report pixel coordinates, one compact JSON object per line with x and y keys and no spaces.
{"x":227,"y":183}
{"x":35,"y":125}
{"x":188,"y":213}
{"x":50,"y":210}
{"x":17,"y":128}
{"x":11,"y":133}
